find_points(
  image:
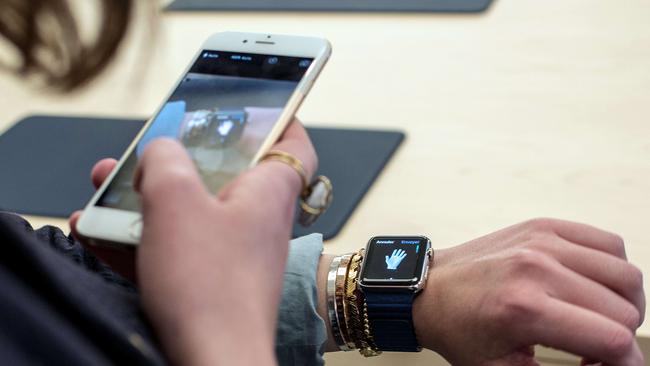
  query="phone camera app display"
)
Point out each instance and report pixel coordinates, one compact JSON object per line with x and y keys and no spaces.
{"x":222,"y":112}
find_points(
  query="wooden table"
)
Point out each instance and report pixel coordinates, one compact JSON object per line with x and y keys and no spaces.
{"x":531,"y":109}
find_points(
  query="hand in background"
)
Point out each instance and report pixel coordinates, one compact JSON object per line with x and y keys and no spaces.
{"x":561,"y":284}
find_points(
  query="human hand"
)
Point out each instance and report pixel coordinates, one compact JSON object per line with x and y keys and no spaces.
{"x":556,"y":283}
{"x":395,"y":259}
{"x":210,"y":269}
{"x":121,"y":261}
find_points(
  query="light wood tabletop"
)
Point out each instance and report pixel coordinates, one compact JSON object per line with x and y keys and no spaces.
{"x":535,"y":108}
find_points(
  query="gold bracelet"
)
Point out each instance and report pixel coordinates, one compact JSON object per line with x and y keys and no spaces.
{"x":335,"y":319}
{"x":372,"y":349}
{"x":339,"y":305}
{"x":353,"y":313}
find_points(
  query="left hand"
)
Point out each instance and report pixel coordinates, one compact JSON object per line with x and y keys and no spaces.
{"x":121,"y":261}
{"x":561,"y":284}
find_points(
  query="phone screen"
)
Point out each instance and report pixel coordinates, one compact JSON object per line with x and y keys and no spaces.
{"x":222,"y":111}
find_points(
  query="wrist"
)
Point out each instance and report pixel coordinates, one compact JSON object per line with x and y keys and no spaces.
{"x":236,"y":326}
{"x":427,"y":319}
{"x":229,"y":340}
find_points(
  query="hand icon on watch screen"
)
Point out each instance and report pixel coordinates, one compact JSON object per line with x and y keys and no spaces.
{"x":395,"y":259}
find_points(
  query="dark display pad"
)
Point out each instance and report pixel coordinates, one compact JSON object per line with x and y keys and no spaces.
{"x":45,"y":164}
{"x":455,"y":6}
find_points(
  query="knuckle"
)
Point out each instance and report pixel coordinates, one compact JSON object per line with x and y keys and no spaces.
{"x":540,"y":241}
{"x":173,"y":180}
{"x":618,"y":342}
{"x":525,"y":262}
{"x":517,"y":304}
{"x":543,"y":224}
{"x":177,"y":177}
{"x":631,"y":317}
{"x":617,"y":245}
{"x":635,"y":278}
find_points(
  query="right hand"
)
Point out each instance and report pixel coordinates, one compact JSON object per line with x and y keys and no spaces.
{"x":210,"y":267}
{"x":561,"y":284}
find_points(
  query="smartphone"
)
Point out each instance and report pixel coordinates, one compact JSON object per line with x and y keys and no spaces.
{"x":232,"y":103}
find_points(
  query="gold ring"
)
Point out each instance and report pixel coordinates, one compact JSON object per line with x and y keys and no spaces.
{"x":315,"y":200}
{"x":292,"y":161}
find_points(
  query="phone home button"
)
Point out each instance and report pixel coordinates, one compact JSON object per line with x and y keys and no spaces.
{"x":135,"y":229}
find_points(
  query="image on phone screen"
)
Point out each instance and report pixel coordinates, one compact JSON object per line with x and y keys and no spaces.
{"x":222,"y":111}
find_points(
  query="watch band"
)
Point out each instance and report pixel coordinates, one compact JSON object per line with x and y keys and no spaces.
{"x":391,"y":319}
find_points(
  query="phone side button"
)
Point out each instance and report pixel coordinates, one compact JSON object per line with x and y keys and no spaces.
{"x":135,"y":229}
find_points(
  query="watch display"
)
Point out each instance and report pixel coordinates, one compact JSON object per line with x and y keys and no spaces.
{"x":396,"y":260}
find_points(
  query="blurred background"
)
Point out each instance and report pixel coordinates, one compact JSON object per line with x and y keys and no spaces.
{"x":524,"y":109}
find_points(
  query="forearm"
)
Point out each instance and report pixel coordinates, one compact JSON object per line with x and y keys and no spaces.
{"x":235,"y":344}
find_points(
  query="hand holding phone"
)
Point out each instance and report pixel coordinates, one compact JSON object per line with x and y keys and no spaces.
{"x":294,"y":141}
{"x":194,"y":244}
{"x":231,"y":105}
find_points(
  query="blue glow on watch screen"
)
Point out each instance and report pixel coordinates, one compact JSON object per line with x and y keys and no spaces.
{"x":394,"y":258}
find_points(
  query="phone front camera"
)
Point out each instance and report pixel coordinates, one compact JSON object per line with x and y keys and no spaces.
{"x":245,"y":41}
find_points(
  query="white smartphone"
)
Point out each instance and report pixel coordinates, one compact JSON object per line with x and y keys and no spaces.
{"x":232,"y":103}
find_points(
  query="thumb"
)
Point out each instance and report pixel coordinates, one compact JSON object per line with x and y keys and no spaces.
{"x":167,"y":179}
{"x":387,"y":259}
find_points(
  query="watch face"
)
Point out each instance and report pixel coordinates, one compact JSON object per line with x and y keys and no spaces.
{"x":396,"y":260}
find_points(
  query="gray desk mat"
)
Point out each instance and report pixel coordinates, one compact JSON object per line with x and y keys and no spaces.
{"x":450,"y":6}
{"x":45,"y":163}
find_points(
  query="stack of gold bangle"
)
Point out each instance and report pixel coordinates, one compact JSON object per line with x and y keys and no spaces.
{"x":347,"y":307}
{"x":334,"y":307}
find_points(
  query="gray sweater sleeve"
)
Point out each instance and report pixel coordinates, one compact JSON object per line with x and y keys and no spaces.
{"x":301,"y":331}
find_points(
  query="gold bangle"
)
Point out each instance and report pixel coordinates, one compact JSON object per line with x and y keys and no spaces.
{"x":341,"y":274}
{"x":335,"y":319}
{"x":292,"y":161}
{"x":371,"y":349}
{"x":349,"y":321}
{"x":353,"y":319}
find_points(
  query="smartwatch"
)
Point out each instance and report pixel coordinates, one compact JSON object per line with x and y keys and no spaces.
{"x":393,"y":272}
